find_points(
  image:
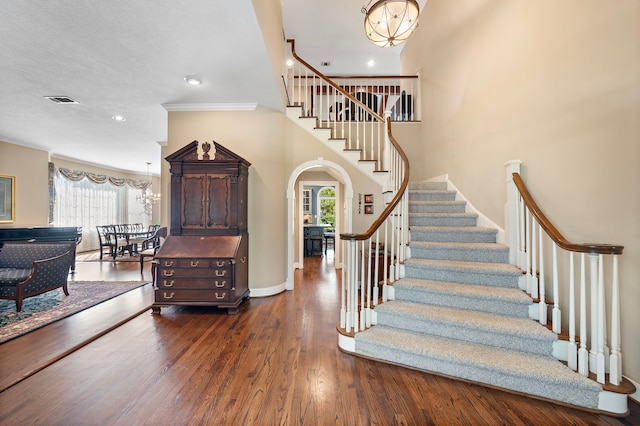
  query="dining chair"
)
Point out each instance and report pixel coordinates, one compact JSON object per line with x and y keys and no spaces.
{"x":153,"y":244}
{"x":106,"y":237}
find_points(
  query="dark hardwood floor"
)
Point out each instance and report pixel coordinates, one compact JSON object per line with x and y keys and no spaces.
{"x":276,"y":362}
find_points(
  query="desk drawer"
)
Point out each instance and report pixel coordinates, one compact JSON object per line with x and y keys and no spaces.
{"x":173,"y":296}
{"x":219,"y":273}
{"x":195,"y":283}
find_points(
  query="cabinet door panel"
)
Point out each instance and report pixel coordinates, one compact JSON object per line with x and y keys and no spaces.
{"x":193,"y":201}
{"x":219,"y":201}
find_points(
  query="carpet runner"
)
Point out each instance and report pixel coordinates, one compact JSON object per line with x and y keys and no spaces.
{"x":459,"y":311}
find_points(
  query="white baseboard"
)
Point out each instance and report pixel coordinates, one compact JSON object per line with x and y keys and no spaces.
{"x":268,"y":291}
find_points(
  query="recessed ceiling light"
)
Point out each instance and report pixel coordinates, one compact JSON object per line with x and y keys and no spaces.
{"x":289,"y":63}
{"x":119,"y":118}
{"x":192,"y":80}
{"x":371,"y":62}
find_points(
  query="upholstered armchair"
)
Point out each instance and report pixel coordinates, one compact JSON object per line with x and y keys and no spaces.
{"x":29,"y":269}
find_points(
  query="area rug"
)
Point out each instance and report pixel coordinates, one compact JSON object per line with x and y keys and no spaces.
{"x":44,"y":309}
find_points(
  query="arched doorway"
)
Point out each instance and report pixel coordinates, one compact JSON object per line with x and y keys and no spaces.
{"x":293,"y":223}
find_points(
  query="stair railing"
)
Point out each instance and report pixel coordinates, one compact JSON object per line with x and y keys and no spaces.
{"x":531,"y":234}
{"x":350,"y":107}
{"x":375,"y":257}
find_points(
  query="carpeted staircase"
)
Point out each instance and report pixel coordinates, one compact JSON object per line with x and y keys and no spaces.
{"x":459,"y":311}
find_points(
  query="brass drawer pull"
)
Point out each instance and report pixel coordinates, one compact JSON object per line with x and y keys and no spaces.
{"x":168,"y":263}
{"x":221,"y":297}
{"x":169,"y":284}
{"x":168,"y":273}
{"x":244,"y":259}
{"x":220,"y":284}
{"x":218,"y":274}
{"x":195,"y":264}
{"x":169,"y":296}
{"x":220,"y":264}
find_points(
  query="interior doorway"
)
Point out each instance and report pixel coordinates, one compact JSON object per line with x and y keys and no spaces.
{"x":318,"y":215}
{"x":295,"y":218}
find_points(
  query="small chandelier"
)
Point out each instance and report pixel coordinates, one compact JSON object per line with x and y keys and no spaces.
{"x":390,"y":22}
{"x":148,"y":199}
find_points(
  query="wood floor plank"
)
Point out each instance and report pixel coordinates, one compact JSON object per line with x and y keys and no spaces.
{"x":276,"y":362}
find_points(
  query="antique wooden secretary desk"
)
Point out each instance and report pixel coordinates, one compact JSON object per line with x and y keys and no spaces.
{"x":205,"y":259}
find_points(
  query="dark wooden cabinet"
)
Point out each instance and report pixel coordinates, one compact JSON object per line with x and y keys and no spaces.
{"x":205,"y":259}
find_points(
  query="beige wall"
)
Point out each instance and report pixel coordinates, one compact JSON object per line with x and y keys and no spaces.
{"x":556,"y":85}
{"x":30,"y":168}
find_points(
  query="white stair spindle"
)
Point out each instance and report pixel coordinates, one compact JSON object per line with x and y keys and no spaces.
{"x":521,"y":231}
{"x":343,"y":292}
{"x":534,"y":260}
{"x":583,"y":352}
{"x":376,"y":284}
{"x":601,"y":369}
{"x":365,"y":280}
{"x":593,"y":275}
{"x":572,"y":350}
{"x":542,"y":305}
{"x":556,"y":313}
{"x":615,"y":369}
{"x":527,"y":224}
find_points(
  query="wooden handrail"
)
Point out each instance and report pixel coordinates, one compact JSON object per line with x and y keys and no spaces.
{"x":331,"y":83}
{"x":396,"y":199}
{"x":371,"y":77}
{"x":551,"y":230}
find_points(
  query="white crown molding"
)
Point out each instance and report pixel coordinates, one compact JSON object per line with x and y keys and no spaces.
{"x":211,"y":107}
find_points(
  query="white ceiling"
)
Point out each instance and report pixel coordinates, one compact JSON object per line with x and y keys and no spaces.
{"x":129,"y":57}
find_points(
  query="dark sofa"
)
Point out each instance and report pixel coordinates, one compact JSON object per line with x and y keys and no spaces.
{"x":32,"y":268}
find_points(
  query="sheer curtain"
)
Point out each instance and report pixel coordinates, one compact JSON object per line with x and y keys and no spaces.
{"x":83,"y":202}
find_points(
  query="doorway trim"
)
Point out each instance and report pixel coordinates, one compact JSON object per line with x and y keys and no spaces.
{"x":291,"y":206}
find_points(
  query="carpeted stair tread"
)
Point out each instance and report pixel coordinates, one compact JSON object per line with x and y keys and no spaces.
{"x":470,"y":252}
{"x":427,"y":185}
{"x":442,"y":219}
{"x":497,"y":330}
{"x":470,"y":291}
{"x":437,"y":206}
{"x":478,"y":229}
{"x":432,"y":195}
{"x":477,"y":267}
{"x":508,"y":369}
{"x":473,"y":297}
{"x":470,"y":234}
{"x":483,"y":273}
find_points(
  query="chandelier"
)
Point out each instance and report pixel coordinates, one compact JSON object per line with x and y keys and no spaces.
{"x":390,"y":22}
{"x":148,"y":199}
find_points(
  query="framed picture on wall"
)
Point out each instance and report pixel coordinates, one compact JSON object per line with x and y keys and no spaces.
{"x":7,"y":199}
{"x":368,"y":209}
{"x":368,"y":198}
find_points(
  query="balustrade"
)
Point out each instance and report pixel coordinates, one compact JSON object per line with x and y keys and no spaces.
{"x":589,"y":349}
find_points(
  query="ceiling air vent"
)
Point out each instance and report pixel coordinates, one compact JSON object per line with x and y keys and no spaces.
{"x":61,"y":99}
{"x":325,"y":64}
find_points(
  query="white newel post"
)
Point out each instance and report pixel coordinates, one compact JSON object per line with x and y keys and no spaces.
{"x":511,"y":210}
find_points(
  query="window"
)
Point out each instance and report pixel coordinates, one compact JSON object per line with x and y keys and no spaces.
{"x":88,"y":204}
{"x":327,"y":203}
